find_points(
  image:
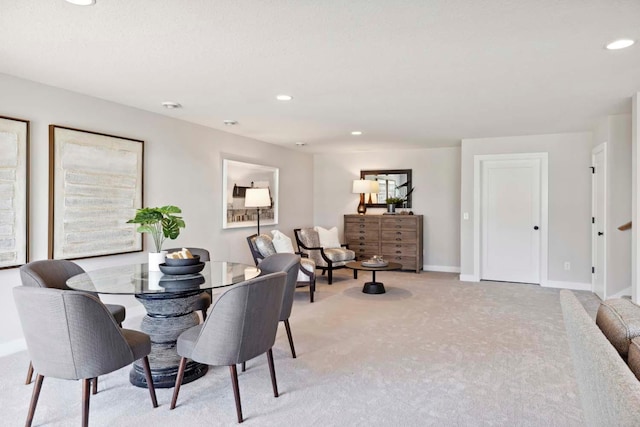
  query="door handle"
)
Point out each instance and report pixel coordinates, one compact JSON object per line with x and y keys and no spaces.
{"x":600,"y":233}
{"x":535,"y":227}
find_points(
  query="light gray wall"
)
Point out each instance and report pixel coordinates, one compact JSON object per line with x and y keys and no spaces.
{"x":183,"y":164}
{"x":569,"y":198}
{"x":436,"y":178}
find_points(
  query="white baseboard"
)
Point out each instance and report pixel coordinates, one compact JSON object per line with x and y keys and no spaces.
{"x":468,"y":278}
{"x":575,"y":286}
{"x":443,"y":268}
{"x":11,"y":347}
{"x":622,"y":293}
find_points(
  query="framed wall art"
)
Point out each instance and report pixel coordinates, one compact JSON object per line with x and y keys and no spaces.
{"x":237,"y":177}
{"x":14,"y":192}
{"x":95,"y":186}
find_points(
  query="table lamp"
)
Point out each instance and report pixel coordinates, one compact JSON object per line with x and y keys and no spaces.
{"x":257,"y":198}
{"x":363,"y":186}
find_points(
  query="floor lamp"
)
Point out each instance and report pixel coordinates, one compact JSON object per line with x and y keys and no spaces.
{"x":257,"y":198}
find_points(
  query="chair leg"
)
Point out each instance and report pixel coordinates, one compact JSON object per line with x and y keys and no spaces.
{"x":204,"y":315}
{"x":29,"y":374}
{"x":355,"y":274}
{"x":34,"y":399}
{"x":150,"y":386}
{"x":95,"y":385}
{"x":330,"y":276}
{"x":86,"y":395}
{"x":288,"y":328}
{"x":176,"y":388}
{"x":272,"y":371}
{"x":236,"y":391}
{"x":312,"y":289}
{"x":244,"y":366}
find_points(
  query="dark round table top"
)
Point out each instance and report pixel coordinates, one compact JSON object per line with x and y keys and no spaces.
{"x":357,"y":265}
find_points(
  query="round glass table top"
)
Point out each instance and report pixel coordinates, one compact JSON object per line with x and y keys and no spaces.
{"x":136,"y":279}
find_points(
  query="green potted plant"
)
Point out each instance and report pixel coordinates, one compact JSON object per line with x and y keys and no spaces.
{"x":162,"y":223}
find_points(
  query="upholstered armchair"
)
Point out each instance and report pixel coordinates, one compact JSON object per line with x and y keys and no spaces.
{"x":262,"y":246}
{"x":326,"y":259}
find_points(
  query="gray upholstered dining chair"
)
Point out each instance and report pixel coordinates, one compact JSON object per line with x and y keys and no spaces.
{"x":54,"y":273}
{"x":242,"y":324}
{"x":289,"y":264}
{"x":71,"y":335}
{"x":204,"y":300}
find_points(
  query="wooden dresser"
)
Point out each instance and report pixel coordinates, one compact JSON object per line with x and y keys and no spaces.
{"x":397,"y":238}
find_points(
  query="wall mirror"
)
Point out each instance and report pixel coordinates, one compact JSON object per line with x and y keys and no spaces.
{"x":392,"y":183}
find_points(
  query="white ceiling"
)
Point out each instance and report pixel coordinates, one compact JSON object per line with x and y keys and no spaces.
{"x":408,"y":73}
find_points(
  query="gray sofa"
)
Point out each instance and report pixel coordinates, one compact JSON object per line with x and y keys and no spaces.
{"x":609,"y":391}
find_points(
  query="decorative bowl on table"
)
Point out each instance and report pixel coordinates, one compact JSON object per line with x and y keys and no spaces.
{"x":182,"y":261}
{"x":375,"y":261}
{"x":178,"y":270}
{"x":192,"y":282}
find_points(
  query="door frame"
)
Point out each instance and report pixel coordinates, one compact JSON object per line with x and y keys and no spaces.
{"x":478,"y":162}
{"x":597,"y":149}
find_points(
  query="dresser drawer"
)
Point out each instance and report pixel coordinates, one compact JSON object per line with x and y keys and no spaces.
{"x":399,"y":249}
{"x":361,"y":220}
{"x":397,"y":222}
{"x":408,"y":262}
{"x":403,"y":236}
{"x":361,"y":235}
{"x":365,"y":252}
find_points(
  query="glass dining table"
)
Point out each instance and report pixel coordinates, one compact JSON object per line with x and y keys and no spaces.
{"x":169,"y":301}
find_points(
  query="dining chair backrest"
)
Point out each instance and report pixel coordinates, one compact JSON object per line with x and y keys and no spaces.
{"x":204,"y":254}
{"x":242,"y":323}
{"x":70,"y":334}
{"x":49,"y":273}
{"x":290,"y":264}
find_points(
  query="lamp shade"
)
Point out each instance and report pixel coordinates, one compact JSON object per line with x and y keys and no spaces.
{"x":257,"y":198}
{"x":360,"y":186}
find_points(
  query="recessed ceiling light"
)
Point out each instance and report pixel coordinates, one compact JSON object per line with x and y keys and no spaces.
{"x":230,"y":122}
{"x":620,"y":44}
{"x":82,"y":2}
{"x":301,"y":144}
{"x":356,"y":132}
{"x":171,"y":105}
{"x":284,"y":97}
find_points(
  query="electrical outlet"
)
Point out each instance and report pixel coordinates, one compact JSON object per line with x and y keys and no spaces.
{"x":567,"y":265}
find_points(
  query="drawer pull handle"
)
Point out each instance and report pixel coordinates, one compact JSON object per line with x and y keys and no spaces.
{"x":361,"y":238}
{"x":398,"y":252}
{"x":398,"y":238}
{"x":398,"y":232}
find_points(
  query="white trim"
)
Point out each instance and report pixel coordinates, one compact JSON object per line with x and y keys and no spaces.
{"x":597,"y":149}
{"x":468,"y":278}
{"x":625,"y":292}
{"x":544,"y":208}
{"x":11,"y":347}
{"x":576,"y":286}
{"x":443,"y":268}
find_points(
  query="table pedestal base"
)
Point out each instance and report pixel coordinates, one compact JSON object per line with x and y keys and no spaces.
{"x":168,"y":315}
{"x":373,"y":288}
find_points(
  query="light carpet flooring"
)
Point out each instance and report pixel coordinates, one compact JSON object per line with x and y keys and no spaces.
{"x":432,"y":351}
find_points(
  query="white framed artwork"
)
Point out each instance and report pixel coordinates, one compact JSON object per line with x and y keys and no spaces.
{"x":14,"y":192}
{"x":95,"y":187}
{"x":239,"y":176}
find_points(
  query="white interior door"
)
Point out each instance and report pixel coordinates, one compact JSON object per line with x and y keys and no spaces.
{"x":599,"y":221}
{"x":511,"y":219}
